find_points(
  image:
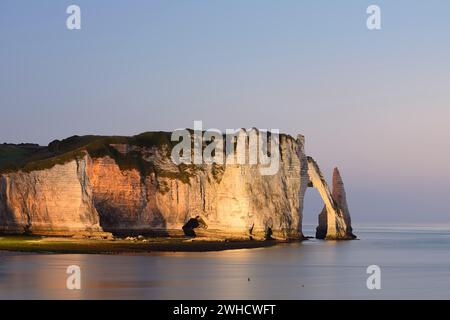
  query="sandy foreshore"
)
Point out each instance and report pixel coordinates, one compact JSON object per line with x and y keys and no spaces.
{"x":35,"y":244}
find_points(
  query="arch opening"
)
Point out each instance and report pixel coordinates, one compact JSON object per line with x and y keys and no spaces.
{"x":312,"y":206}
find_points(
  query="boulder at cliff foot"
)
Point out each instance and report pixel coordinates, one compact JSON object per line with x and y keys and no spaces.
{"x":192,"y":224}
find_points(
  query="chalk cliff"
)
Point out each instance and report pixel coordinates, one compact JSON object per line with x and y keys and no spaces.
{"x":57,"y":199}
{"x":129,"y":185}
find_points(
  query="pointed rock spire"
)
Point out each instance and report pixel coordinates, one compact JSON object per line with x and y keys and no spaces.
{"x":340,"y":197}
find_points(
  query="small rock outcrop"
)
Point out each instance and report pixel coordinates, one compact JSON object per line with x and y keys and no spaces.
{"x":192,"y":224}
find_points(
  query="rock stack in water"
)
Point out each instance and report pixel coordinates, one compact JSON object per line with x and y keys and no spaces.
{"x":334,"y":220}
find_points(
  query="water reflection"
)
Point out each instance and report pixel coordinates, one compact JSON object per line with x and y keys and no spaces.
{"x":414,"y":265}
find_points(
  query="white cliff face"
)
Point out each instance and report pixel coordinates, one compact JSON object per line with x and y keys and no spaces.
{"x":99,"y":194}
{"x":54,"y":200}
{"x":232,"y":199}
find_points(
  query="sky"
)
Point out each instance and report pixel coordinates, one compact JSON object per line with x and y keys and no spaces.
{"x":373,"y":103}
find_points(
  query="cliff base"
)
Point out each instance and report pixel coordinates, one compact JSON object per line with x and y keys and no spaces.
{"x":129,"y":245}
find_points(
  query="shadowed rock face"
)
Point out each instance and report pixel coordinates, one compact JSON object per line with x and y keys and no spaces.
{"x":130,"y":187}
{"x":192,"y":224}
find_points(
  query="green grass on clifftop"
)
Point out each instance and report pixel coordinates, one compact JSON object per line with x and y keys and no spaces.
{"x":30,"y":157}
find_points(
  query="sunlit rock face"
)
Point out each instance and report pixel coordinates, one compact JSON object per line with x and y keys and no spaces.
{"x":49,"y":201}
{"x":231,"y":199}
{"x":137,"y":189}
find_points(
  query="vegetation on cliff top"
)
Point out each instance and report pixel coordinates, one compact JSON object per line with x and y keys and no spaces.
{"x":30,"y":157}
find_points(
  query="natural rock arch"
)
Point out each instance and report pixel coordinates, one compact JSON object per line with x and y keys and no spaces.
{"x":334,"y":220}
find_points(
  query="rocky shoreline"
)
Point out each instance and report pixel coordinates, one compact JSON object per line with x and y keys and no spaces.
{"x":128,"y":245}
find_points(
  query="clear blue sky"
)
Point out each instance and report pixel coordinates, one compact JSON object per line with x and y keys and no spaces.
{"x":376,"y":104}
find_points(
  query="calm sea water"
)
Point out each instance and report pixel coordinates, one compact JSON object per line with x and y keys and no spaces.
{"x":414,"y":262}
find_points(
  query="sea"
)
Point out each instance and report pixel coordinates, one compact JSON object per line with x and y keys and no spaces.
{"x":402,"y":262}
